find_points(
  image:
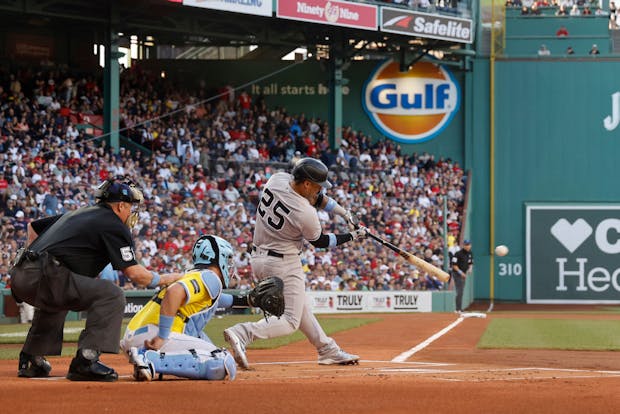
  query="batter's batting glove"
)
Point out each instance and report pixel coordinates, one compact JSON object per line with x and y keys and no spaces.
{"x":352,"y":219}
{"x":360,"y":233}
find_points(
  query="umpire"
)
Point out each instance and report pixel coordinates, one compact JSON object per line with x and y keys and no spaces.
{"x":57,"y":272}
{"x":462,"y":262}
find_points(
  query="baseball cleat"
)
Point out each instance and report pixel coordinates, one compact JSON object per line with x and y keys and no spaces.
{"x":33,"y":366}
{"x":142,"y":368}
{"x":238,"y":350}
{"x":85,"y":366}
{"x":338,"y":357}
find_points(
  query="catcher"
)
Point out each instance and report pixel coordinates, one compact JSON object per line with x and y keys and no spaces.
{"x":166,"y":336}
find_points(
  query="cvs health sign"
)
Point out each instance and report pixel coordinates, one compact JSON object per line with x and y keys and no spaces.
{"x":413,"y":106}
{"x":572,"y":253}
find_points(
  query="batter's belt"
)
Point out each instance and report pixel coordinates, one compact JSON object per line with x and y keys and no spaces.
{"x":270,"y":252}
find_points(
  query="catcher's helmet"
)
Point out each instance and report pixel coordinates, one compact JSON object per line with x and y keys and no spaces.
{"x":213,"y":250}
{"x":313,"y":170}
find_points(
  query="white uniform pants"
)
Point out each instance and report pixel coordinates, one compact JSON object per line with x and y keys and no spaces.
{"x":176,"y":341}
{"x":297,"y":313}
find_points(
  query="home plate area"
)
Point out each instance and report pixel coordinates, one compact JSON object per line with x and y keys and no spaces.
{"x":427,"y":371}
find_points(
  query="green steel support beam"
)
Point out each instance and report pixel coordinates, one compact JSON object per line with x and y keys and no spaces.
{"x":111,"y":83}
{"x":336,"y":61}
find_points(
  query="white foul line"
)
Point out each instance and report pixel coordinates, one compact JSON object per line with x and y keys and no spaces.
{"x":407,"y":354}
{"x":24,"y":333}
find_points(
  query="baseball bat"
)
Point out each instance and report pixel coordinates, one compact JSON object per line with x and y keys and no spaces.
{"x":413,"y":259}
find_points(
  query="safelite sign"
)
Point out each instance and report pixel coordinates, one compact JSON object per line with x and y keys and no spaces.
{"x":413,"y":106}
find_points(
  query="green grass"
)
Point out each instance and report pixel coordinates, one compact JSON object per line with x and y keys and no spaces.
{"x":561,"y":334}
{"x":16,"y":334}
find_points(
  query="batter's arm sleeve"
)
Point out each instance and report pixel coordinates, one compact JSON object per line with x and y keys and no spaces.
{"x":331,"y":240}
{"x":330,"y":205}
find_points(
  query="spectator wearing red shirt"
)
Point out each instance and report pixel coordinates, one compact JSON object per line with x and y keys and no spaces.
{"x":245,"y":102}
{"x":562,"y":32}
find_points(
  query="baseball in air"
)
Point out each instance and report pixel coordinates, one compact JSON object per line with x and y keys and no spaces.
{"x":501,"y":250}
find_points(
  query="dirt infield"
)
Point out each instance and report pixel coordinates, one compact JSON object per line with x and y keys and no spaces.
{"x":448,"y":375}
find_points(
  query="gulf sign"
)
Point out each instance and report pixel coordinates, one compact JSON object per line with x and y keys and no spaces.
{"x":414,"y":106}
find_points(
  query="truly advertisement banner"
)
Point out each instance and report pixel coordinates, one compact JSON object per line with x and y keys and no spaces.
{"x":334,"y":12}
{"x":412,"y":106}
{"x":418,"y":24}
{"x":360,"y":301}
{"x":257,"y":7}
{"x":572,"y":253}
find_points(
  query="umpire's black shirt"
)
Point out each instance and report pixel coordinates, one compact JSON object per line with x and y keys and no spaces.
{"x":463,"y":259}
{"x":86,"y":240}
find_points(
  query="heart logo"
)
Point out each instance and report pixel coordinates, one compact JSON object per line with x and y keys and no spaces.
{"x":571,"y":235}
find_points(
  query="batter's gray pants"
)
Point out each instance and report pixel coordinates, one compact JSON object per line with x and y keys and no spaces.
{"x":297,"y":313}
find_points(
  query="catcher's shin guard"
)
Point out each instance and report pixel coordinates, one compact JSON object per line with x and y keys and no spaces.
{"x":214,"y":365}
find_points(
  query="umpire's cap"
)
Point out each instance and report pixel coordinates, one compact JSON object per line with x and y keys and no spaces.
{"x":313,"y":170}
{"x":119,"y":189}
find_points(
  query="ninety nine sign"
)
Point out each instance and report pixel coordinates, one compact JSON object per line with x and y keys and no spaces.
{"x":258,"y":7}
{"x":426,"y":25}
{"x":337,"y":13}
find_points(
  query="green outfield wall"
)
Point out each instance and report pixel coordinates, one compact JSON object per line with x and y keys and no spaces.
{"x":557,"y":144}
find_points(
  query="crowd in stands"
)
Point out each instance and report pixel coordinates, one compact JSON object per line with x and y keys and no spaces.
{"x":566,"y":8}
{"x":543,"y":50}
{"x":209,"y":160}
{"x":445,"y":6}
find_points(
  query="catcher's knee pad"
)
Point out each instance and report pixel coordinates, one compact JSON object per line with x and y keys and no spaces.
{"x":215,"y":365}
{"x":220,"y":366}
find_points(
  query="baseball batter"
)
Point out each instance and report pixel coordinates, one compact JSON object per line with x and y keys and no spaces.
{"x":286,"y":215}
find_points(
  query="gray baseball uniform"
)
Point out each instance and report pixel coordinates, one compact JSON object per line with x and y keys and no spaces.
{"x":283,"y":220}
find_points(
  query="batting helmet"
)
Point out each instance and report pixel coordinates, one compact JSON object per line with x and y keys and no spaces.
{"x":313,"y":170}
{"x":213,"y":250}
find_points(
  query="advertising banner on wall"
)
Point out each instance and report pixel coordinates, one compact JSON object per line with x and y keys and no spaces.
{"x":412,"y":106}
{"x":434,"y":26}
{"x":334,"y":12}
{"x":29,"y":46}
{"x":383,"y":301}
{"x":572,"y":253}
{"x":133,"y":305}
{"x":257,"y":7}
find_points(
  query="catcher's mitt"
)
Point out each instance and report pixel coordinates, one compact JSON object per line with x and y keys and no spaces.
{"x":269,"y":296}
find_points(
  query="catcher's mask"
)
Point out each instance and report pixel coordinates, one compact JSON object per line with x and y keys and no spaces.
{"x":209,"y":250}
{"x":120,"y":189}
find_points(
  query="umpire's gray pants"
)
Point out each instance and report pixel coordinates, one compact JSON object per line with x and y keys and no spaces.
{"x":459,"y":286}
{"x":54,"y":290}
